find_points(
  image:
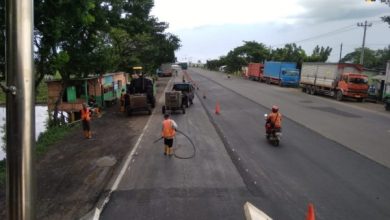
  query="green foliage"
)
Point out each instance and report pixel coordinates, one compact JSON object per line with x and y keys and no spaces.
{"x":51,"y":136}
{"x":372,"y":58}
{"x":319,"y":54}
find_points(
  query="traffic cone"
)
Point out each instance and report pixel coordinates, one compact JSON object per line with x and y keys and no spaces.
{"x":217,"y":108}
{"x":310,"y":212}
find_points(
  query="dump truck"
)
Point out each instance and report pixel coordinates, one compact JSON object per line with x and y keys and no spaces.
{"x":281,"y":73}
{"x":255,"y":71}
{"x":339,"y":80}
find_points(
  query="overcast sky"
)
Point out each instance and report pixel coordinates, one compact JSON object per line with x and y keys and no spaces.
{"x":209,"y":29}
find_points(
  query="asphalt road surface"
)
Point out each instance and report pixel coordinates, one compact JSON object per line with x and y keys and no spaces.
{"x":234,"y":163}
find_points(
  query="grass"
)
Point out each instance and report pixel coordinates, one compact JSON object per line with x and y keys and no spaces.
{"x":40,"y":94}
{"x":45,"y":140}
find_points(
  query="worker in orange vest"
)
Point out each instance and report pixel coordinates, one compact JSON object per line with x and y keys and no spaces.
{"x":275,"y":120}
{"x":168,"y":132}
{"x":86,"y":119}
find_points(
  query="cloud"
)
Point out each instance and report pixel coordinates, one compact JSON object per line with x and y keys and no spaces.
{"x":337,"y":10}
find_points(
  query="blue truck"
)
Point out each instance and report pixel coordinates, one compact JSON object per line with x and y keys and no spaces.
{"x":281,"y":73}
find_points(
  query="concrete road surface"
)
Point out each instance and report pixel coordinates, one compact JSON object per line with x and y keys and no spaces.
{"x":234,"y":163}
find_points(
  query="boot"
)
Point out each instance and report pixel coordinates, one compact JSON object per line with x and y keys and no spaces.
{"x":89,"y":134}
{"x":86,"y":134}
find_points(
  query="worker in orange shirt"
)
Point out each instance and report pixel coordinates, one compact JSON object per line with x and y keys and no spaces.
{"x":274,"y":120}
{"x":168,"y":132}
{"x":85,"y":120}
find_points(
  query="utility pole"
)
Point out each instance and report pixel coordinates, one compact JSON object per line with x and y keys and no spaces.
{"x":20,"y":135}
{"x":341,"y":51}
{"x":364,"y":25}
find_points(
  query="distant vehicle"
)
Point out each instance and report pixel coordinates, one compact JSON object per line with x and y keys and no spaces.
{"x":255,"y":71}
{"x":165,"y":70}
{"x":281,"y":73}
{"x":222,"y":68}
{"x":338,"y":80}
{"x":183,"y":65}
{"x":187,"y":89}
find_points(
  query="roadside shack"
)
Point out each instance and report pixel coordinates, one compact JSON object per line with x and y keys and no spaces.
{"x":98,"y":91}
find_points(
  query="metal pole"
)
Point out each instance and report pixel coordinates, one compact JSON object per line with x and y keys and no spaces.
{"x":341,"y":51}
{"x":365,"y":25}
{"x":20,"y":110}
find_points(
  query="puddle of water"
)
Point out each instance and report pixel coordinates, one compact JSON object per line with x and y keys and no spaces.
{"x":40,"y":124}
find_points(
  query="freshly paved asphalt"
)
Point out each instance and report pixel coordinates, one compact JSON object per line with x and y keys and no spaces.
{"x":234,"y":164}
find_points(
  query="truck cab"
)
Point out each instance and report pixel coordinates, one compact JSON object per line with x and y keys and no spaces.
{"x":353,"y":85}
{"x":289,"y":77}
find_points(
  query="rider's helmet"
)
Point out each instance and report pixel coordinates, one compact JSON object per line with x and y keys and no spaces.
{"x":275,"y":108}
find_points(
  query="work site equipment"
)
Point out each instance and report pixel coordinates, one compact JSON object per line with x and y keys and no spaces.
{"x":173,"y":102}
{"x":140,"y":94}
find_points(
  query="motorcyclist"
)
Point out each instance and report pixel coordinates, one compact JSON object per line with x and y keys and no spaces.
{"x":274,"y":121}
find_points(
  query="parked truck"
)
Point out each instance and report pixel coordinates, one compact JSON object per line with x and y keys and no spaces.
{"x":255,"y":71}
{"x":339,"y":80}
{"x":281,"y":73}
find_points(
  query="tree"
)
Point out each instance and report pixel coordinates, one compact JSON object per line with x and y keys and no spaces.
{"x":319,"y":54}
{"x":2,"y":40}
{"x":290,"y":52}
{"x":371,"y":59}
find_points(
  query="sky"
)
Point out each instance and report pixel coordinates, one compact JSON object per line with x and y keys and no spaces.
{"x":209,"y":29}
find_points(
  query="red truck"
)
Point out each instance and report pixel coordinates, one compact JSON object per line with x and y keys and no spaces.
{"x":255,"y":71}
{"x":338,"y":80}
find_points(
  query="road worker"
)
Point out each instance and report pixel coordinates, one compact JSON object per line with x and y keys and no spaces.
{"x":85,"y":120}
{"x":274,"y":120}
{"x":168,"y":132}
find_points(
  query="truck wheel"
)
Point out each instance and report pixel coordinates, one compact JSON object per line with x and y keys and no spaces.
{"x":184,"y":110}
{"x":163,"y":109}
{"x":280,"y":83}
{"x":149,"y":111}
{"x":268,"y":81}
{"x":360,"y":99}
{"x":312,"y":91}
{"x":308,"y":90}
{"x":339,"y":96}
{"x":303,"y":89}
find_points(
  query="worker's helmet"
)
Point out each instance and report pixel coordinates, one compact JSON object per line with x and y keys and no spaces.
{"x":275,"y":108}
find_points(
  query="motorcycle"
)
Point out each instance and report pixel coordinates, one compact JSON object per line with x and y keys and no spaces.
{"x":272,"y":134}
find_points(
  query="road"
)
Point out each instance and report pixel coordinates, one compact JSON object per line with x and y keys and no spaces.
{"x":234,"y":163}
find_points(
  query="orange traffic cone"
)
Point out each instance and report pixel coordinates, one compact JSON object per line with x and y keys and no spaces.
{"x":217,"y":108}
{"x":310,"y":212}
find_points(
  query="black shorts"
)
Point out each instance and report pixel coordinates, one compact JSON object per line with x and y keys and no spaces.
{"x":168,"y":142}
{"x":86,"y":125}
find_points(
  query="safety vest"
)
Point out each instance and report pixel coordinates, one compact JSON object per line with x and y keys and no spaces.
{"x":276,"y":119}
{"x":85,"y":114}
{"x":168,"y":130}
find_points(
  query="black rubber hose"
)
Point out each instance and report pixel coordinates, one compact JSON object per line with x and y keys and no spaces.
{"x":192,"y":144}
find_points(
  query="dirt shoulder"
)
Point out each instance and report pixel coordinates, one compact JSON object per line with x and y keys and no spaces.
{"x":75,"y":172}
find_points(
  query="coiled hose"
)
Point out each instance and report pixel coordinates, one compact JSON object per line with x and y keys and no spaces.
{"x":189,"y":139}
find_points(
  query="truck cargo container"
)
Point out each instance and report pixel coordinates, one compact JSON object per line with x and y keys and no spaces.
{"x":255,"y":71}
{"x":338,"y":80}
{"x":281,"y":73}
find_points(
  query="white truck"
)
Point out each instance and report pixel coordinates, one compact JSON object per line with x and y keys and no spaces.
{"x":338,"y":80}
{"x":386,"y":94}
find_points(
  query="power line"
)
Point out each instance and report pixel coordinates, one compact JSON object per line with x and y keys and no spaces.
{"x":337,"y":31}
